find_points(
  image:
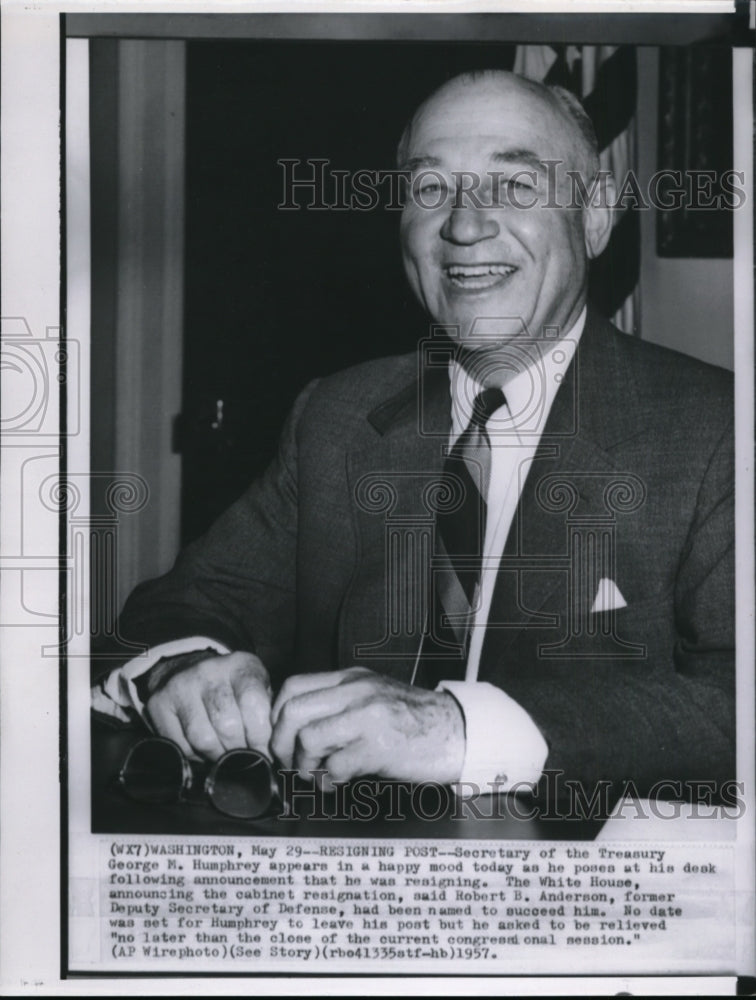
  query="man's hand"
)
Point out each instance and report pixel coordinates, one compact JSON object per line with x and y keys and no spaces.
{"x":355,"y":722}
{"x":219,"y":704}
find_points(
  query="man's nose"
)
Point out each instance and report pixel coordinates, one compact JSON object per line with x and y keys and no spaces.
{"x":466,"y":224}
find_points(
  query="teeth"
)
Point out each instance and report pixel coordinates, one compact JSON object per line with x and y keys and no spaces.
{"x":478,"y":270}
{"x":477,"y":276}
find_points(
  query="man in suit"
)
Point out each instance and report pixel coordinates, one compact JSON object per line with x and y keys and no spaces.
{"x":590,"y":628}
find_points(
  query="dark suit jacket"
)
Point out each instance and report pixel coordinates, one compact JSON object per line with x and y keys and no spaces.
{"x":323,"y":563}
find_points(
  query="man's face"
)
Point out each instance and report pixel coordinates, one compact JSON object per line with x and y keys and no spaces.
{"x":476,"y":255}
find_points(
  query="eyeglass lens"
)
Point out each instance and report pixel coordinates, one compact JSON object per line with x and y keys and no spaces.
{"x":154,"y":772}
{"x":240,"y":784}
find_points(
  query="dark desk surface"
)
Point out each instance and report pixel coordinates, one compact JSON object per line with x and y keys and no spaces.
{"x":486,"y":818}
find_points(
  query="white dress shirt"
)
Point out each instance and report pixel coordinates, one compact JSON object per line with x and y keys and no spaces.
{"x":504,"y":747}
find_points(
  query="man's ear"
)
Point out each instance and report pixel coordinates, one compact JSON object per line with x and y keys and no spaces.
{"x":598,"y":216}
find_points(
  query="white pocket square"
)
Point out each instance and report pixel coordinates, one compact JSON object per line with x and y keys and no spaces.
{"x":608,"y":597}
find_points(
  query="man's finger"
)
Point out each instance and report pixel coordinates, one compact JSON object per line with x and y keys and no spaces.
{"x":302,"y":710}
{"x":253,"y":699}
{"x":349,"y":762}
{"x":162,"y":715}
{"x":199,"y":731}
{"x":344,"y":744}
{"x":224,"y":716}
{"x":301,"y":684}
{"x":319,"y":740}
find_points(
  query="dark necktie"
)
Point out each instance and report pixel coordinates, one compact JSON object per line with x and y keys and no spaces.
{"x":460,"y":535}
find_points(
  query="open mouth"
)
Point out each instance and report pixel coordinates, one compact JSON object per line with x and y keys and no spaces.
{"x":477,"y":276}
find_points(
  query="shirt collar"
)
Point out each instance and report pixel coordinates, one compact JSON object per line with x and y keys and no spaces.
{"x":530,"y":391}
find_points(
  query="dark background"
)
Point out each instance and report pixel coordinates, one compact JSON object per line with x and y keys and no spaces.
{"x":275,"y":298}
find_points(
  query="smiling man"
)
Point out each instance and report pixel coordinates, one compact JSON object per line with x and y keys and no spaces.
{"x":518,"y":258}
{"x":507,"y":553}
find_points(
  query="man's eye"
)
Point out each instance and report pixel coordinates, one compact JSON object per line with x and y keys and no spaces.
{"x":432,"y":187}
{"x":518,"y":184}
{"x":518,"y":190}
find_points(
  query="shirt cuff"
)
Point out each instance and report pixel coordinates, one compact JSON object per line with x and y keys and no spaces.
{"x":117,"y":694}
{"x":504,"y":749}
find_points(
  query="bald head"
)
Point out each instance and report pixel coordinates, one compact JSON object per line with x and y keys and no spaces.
{"x":554,"y":100}
{"x":491,"y":237}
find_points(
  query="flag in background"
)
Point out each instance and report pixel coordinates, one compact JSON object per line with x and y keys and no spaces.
{"x":604,"y":77}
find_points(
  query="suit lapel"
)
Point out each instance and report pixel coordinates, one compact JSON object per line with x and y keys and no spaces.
{"x":565,"y":484}
{"x":391,"y":476}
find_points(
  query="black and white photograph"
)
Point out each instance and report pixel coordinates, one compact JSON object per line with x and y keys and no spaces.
{"x":384,"y":495}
